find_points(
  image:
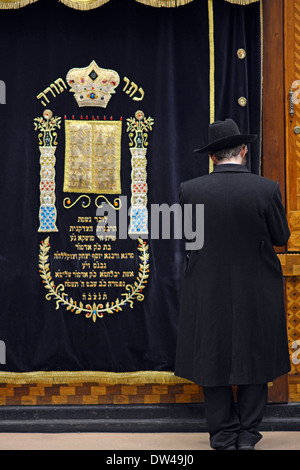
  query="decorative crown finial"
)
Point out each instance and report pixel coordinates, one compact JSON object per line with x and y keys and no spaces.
{"x":92,"y":85}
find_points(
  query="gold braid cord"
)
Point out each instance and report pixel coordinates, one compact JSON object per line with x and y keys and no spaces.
{"x":134,"y":292}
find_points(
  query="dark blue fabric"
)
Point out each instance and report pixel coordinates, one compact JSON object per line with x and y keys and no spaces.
{"x":165,"y":51}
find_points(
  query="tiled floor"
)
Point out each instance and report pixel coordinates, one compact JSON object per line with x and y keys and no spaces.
{"x":132,"y":441}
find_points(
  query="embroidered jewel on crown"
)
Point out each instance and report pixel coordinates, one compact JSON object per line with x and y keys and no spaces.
{"x":93,"y":75}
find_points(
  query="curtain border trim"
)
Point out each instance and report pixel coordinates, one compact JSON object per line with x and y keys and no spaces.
{"x":107,"y":378}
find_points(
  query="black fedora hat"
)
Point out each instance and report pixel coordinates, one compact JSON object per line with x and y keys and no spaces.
{"x":225,"y":134}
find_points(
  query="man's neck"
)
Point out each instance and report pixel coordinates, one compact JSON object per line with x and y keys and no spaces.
{"x":235,"y":161}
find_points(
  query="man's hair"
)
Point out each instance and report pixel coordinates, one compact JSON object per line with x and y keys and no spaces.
{"x":228,"y":153}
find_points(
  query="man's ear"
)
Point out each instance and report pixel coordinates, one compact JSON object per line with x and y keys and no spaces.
{"x":244,"y":150}
{"x":214,"y":160}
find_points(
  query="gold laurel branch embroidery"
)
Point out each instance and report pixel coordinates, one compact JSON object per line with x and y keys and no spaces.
{"x":96,"y":310}
{"x":144,"y":125}
{"x":67,"y":203}
{"x":47,"y":124}
{"x":139,"y":123}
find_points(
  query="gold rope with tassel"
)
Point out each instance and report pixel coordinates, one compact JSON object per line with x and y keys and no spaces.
{"x":84,"y":4}
{"x":164,"y":3}
{"x":13,"y":4}
{"x":106,"y":378}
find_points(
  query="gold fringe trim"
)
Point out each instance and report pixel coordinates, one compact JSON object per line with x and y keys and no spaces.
{"x":84,"y":4}
{"x":242,"y":2}
{"x":164,"y":3}
{"x":12,"y":4}
{"x":105,"y":378}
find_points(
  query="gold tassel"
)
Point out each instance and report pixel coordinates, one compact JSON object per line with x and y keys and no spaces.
{"x":84,"y":4}
{"x":242,"y":2}
{"x":105,"y":378}
{"x":13,"y":4}
{"x":164,"y":3}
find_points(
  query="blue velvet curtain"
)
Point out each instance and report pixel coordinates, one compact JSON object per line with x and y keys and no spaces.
{"x":166,"y":52}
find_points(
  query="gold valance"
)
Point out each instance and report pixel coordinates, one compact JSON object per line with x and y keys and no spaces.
{"x":164,"y":3}
{"x":242,"y":2}
{"x":84,"y":4}
{"x":91,"y":4}
{"x":76,"y":4}
{"x":11,"y":4}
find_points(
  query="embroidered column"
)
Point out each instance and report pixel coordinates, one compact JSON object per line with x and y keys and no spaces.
{"x":137,"y":129}
{"x":47,"y":143}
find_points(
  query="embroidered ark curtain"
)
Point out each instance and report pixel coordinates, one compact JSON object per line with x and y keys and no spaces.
{"x":99,"y":105}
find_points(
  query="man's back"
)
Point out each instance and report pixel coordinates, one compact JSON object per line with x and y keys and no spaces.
{"x":242,"y":211}
{"x":232,"y":287}
{"x":232,"y":326}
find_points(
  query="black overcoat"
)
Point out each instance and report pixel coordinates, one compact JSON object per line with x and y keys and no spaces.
{"x":232,"y":325}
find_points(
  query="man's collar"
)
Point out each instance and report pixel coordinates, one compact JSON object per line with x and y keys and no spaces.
{"x":230,"y":167}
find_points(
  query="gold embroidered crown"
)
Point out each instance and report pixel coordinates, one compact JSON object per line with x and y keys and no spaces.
{"x":92,"y":85}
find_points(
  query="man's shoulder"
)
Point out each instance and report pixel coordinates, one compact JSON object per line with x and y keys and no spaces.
{"x":250,"y":180}
{"x":195,"y":181}
{"x":258,"y":179}
{"x":263,"y":181}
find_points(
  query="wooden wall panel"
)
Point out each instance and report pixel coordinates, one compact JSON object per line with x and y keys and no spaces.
{"x":292,"y":84}
{"x":273,"y":125}
{"x":291,"y":261}
{"x":273,"y":135}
